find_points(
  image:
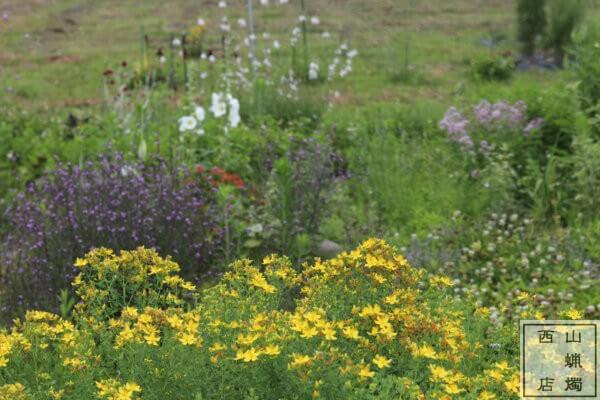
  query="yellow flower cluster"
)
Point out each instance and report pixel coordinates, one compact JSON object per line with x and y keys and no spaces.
{"x":13,"y":391}
{"x":111,"y":389}
{"x":362,"y":316}
{"x":140,"y":278}
{"x":145,"y":326}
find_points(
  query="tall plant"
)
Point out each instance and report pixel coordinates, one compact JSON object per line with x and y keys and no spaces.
{"x":564,"y":15}
{"x":531,"y":22}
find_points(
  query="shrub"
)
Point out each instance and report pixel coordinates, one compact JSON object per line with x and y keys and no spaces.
{"x":342,"y":328}
{"x":297,"y":193}
{"x":587,"y":70}
{"x":492,"y":67}
{"x":564,"y":16}
{"x":531,"y":22}
{"x":194,"y":40}
{"x":138,"y":279}
{"x":499,"y":141}
{"x":106,"y":203}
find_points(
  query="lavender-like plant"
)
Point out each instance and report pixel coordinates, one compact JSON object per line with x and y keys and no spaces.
{"x":110,"y":203}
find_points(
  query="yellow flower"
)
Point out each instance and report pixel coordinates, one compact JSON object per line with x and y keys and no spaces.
{"x":187,"y":339}
{"x":485,"y":395}
{"x":502,"y":366}
{"x":216,"y":347}
{"x":440,"y":281}
{"x":513,"y":385}
{"x":271,"y":350}
{"x":573,"y":314}
{"x":56,"y":394}
{"x":452,"y":388}
{"x":268,"y":260}
{"x":351,"y":332}
{"x":188,"y":286}
{"x":111,"y":390}
{"x":13,"y":391}
{"x":365,"y":372}
{"x":309,"y":332}
{"x":247,"y":356}
{"x":438,"y":373}
{"x":152,"y":339}
{"x":522,"y":296}
{"x":259,"y":281}
{"x":80,"y":262}
{"x":381,"y":361}
{"x":298,"y":360}
{"x":247,"y":340}
{"x":496,"y":375}
{"x":126,"y":391}
{"x":425,"y":351}
{"x":329,"y":333}
{"x":391,"y":299}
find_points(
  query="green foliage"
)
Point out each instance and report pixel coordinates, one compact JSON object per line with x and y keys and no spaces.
{"x":587,"y":71}
{"x":586,"y":174}
{"x":414,"y":182}
{"x":531,"y":23}
{"x":492,"y":67}
{"x":507,"y":261}
{"x":194,"y":40}
{"x":564,"y":15}
{"x":265,"y":102}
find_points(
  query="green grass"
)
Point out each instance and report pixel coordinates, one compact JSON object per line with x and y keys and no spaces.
{"x":71,"y":42}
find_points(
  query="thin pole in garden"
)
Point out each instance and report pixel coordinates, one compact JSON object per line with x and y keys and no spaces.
{"x":252,"y":37}
{"x":304,"y":40}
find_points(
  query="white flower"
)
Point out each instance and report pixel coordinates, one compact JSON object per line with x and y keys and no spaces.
{"x":302,"y":18}
{"x":200,"y":113}
{"x":218,"y":106}
{"x":225,"y":24}
{"x":200,"y":131}
{"x":212,"y":58}
{"x":313,"y":71}
{"x":315,"y":20}
{"x":162,"y":59}
{"x":234,"y":111}
{"x":222,"y":4}
{"x":176,"y":42}
{"x":242,"y":22}
{"x":203,"y":75}
{"x":187,"y":123}
{"x":276,"y":44}
{"x":264,"y":2}
{"x":200,"y":21}
{"x":283,"y":1}
{"x":352,"y":53}
{"x":326,"y":35}
{"x":256,"y":228}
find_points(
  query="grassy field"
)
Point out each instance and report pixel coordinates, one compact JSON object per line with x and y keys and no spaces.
{"x":54,"y":52}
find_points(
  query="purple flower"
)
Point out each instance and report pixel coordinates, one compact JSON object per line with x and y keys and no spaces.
{"x":533,"y":125}
{"x":110,"y":203}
